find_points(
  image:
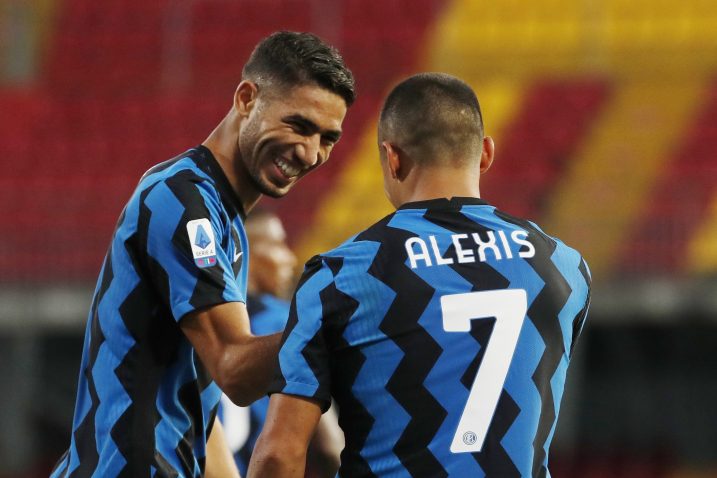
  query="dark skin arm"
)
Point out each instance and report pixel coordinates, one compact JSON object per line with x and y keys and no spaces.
{"x":281,"y":448}
{"x":241,"y":364}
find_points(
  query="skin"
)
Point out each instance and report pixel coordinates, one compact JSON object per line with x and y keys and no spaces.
{"x":300,"y":125}
{"x":220,"y":463}
{"x":291,"y":420}
{"x":297,"y":126}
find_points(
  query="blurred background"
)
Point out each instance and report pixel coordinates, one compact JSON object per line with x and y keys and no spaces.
{"x":604,"y":114}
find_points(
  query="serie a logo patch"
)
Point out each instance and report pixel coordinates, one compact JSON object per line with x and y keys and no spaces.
{"x":204,"y":247}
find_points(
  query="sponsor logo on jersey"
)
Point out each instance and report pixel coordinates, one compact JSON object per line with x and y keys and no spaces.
{"x":201,"y":238}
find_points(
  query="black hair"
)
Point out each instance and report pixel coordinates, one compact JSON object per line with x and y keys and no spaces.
{"x":293,"y":59}
{"x":431,"y":114}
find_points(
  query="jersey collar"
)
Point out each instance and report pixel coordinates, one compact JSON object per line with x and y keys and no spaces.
{"x":455,"y":202}
{"x":211,"y":166}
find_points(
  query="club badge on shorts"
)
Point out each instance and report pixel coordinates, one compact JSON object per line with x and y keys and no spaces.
{"x":204,"y":247}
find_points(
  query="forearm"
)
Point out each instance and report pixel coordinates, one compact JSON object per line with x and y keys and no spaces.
{"x":247,"y":368}
{"x":241,"y":364}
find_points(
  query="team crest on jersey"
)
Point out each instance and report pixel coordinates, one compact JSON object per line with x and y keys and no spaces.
{"x":201,"y":238}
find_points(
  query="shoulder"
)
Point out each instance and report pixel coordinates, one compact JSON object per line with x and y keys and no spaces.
{"x":535,"y":231}
{"x":178,"y":173}
{"x":564,"y":256}
{"x":363,"y":254}
{"x":361,"y":246}
{"x":178,"y":182}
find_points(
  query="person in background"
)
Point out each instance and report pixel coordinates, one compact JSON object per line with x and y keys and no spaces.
{"x":271,"y":276}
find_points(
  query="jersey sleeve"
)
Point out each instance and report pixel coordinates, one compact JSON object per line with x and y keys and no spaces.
{"x":581,"y":317}
{"x":304,"y":355}
{"x":185,"y":235}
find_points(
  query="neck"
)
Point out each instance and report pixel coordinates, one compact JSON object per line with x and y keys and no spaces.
{"x":223,"y":143}
{"x":433,"y":183}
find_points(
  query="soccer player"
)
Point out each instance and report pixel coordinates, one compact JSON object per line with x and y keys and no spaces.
{"x":444,"y":331}
{"x":168,"y":329}
{"x":270,"y":278}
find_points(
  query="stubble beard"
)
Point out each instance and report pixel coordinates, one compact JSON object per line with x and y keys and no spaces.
{"x":248,"y":149}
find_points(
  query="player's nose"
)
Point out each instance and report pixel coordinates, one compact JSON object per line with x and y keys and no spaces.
{"x":309,"y":151}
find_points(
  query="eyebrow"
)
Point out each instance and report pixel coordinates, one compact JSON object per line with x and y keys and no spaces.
{"x":331,"y":135}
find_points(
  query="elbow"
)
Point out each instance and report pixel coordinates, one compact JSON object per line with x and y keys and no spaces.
{"x":263,"y":460}
{"x":277,"y":458}
{"x":236,"y":383}
{"x":241,"y":398}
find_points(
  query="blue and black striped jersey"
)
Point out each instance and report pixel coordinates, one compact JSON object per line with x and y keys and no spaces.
{"x":444,"y":333}
{"x":145,"y":403}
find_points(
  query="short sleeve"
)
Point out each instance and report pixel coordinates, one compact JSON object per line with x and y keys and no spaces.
{"x":186,"y":234}
{"x":304,"y":355}
{"x":582,"y":315}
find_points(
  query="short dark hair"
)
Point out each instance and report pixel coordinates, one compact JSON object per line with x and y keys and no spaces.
{"x":293,"y":59}
{"x":432,"y":115}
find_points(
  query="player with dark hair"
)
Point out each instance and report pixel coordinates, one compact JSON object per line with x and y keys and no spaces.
{"x":444,"y":331}
{"x":168,"y":328}
{"x":270,"y":277}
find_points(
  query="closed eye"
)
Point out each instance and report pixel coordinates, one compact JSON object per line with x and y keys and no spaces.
{"x":301,"y":125}
{"x":306,"y":127}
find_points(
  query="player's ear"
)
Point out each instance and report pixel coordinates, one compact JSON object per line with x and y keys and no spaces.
{"x":245,"y":97}
{"x":393,"y":159}
{"x":487,"y":154}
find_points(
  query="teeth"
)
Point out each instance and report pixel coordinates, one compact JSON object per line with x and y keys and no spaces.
{"x":286,"y":168}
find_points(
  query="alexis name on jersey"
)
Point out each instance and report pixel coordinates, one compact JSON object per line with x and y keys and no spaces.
{"x":469,"y":248}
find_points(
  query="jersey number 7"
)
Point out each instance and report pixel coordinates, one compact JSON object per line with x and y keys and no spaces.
{"x":508,"y":307}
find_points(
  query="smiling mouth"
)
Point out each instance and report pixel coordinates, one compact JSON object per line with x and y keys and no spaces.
{"x":288,"y":169}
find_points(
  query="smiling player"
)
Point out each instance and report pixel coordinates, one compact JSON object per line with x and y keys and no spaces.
{"x":168,"y":328}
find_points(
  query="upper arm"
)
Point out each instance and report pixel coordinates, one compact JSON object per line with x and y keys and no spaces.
{"x":304,"y":354}
{"x":291,"y":417}
{"x":189,"y":246}
{"x":189,"y":242}
{"x":282,"y":446}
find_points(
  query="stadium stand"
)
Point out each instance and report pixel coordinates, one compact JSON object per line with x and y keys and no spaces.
{"x":539,"y":143}
{"x":107,"y":105}
{"x":681,"y":197}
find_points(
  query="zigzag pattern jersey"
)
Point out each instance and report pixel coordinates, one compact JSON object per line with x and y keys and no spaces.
{"x":444,"y":333}
{"x":145,"y":403}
